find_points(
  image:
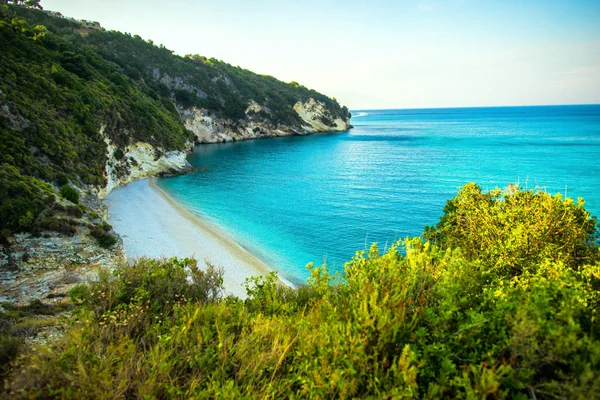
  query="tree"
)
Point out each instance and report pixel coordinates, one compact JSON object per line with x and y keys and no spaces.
{"x":23,"y":3}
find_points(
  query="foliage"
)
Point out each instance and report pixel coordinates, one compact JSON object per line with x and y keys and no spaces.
{"x":62,"y":179}
{"x":103,"y":236}
{"x":420,"y":321}
{"x":515,"y":230}
{"x":17,"y":322}
{"x":69,"y":193}
{"x":22,"y":199}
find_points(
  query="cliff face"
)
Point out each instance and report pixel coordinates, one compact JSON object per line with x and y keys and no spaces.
{"x":138,"y":161}
{"x":208,"y":128}
{"x":308,"y":114}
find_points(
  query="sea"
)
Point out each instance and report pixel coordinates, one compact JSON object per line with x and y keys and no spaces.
{"x":321,"y":198}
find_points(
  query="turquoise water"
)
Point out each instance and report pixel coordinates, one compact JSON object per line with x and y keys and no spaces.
{"x":301,"y":199}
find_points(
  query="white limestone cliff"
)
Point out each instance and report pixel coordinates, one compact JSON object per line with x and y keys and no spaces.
{"x":317,"y":117}
{"x":140,"y":160}
{"x":208,"y":128}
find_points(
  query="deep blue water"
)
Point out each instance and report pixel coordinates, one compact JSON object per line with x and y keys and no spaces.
{"x":301,"y":199}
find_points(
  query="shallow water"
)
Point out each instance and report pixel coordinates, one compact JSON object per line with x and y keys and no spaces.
{"x":301,"y":199}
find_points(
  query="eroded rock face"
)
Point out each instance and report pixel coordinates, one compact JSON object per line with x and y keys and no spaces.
{"x":49,"y":266}
{"x":318,"y":119}
{"x":208,"y":128}
{"x":137,"y":161}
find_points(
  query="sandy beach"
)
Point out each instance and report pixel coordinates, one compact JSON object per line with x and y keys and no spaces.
{"x":154,"y":225}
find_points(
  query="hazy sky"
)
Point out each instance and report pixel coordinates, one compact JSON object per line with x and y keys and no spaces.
{"x":384,"y":54}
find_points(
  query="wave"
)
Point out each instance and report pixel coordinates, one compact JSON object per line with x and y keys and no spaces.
{"x":360,"y":114}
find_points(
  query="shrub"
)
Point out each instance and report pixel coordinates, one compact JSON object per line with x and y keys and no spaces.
{"x":18,"y":322}
{"x":57,"y":224}
{"x":119,"y":154}
{"x":21,"y":199}
{"x":73,"y":211}
{"x":10,"y":347}
{"x":69,"y":193}
{"x":62,"y":179}
{"x":103,"y":236}
{"x":514,"y":230}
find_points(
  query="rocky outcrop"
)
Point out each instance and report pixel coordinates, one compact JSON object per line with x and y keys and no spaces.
{"x":137,"y":161}
{"x":208,"y":128}
{"x":317,"y":118}
{"x":48,"y":266}
{"x":258,"y":120}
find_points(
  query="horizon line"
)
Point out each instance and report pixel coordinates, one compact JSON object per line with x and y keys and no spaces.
{"x":457,"y":107}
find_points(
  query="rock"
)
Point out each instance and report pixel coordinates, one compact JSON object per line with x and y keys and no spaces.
{"x":140,"y":160}
{"x":207,"y":128}
{"x":318,"y":119}
{"x":54,"y":265}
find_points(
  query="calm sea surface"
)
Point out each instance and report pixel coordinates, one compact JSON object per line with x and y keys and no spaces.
{"x":301,"y":199}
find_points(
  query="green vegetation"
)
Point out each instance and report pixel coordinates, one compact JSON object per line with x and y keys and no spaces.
{"x":514,"y":231}
{"x":20,"y":322}
{"x":102,"y":234}
{"x":69,"y":193}
{"x":61,"y":85}
{"x":503,"y":303}
{"x":22,"y":199}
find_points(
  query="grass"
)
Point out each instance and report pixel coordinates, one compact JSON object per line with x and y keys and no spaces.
{"x":21,"y":322}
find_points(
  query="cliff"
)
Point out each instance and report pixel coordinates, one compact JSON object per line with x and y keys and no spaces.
{"x":208,"y":128}
{"x":137,"y":161}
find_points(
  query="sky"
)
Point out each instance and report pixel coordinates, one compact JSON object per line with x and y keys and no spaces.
{"x":381,"y":54}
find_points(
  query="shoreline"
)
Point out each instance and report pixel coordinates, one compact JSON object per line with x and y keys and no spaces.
{"x":152,"y":224}
{"x":215,"y":231}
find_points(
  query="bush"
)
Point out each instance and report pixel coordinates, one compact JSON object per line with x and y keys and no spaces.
{"x":21,"y":199}
{"x":53,"y":223}
{"x":103,"y":236}
{"x":18,"y":322}
{"x":62,"y":179}
{"x":119,"y":154}
{"x":10,"y":347}
{"x":514,"y":230}
{"x":69,"y":193}
{"x":73,"y":211}
{"x":158,"y":286}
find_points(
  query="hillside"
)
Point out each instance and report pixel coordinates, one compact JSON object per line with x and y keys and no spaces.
{"x":87,"y":110}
